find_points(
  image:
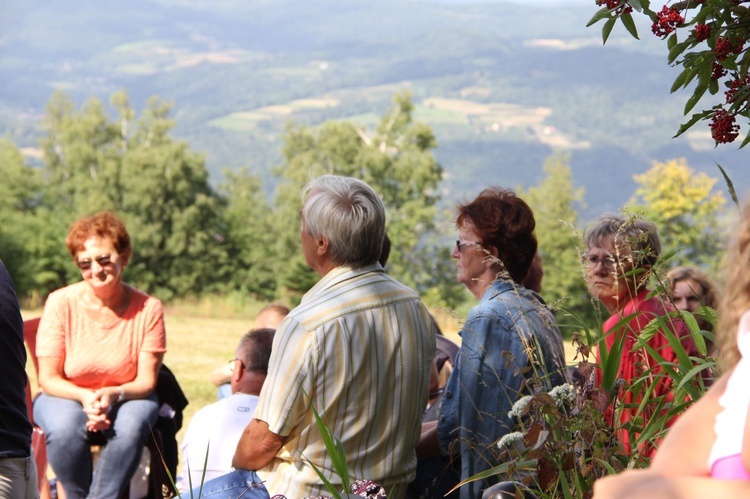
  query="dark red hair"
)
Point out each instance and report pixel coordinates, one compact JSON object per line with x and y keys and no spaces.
{"x":503,"y":221}
{"x":104,"y":225}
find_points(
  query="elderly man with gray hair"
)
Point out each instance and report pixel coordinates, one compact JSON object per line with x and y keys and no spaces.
{"x":358,"y":349}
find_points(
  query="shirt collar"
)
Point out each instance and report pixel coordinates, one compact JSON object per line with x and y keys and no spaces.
{"x":339,"y":275}
{"x":497,"y":287}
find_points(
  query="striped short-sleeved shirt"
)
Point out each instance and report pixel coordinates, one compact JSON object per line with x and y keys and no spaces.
{"x":358,"y":348}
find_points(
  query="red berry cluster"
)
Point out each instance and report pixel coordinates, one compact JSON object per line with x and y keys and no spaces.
{"x":701,"y":32}
{"x":718,"y":71}
{"x":619,"y":6}
{"x":723,"y":128}
{"x":666,"y":21}
{"x":724,"y":47}
{"x":734,"y":86}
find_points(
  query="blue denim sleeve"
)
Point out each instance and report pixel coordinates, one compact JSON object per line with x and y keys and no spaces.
{"x":484,"y":384}
{"x":490,"y":372}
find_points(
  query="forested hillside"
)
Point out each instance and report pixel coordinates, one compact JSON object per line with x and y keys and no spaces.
{"x":501,"y":84}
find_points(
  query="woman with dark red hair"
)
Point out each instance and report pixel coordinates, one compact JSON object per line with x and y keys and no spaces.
{"x":100,"y":345}
{"x":510,"y":343}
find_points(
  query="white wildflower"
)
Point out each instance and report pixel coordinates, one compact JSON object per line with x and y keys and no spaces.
{"x":563,"y":393}
{"x":509,"y":439}
{"x":519,"y":406}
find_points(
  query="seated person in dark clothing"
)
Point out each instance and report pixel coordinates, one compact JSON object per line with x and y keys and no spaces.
{"x":18,"y":474}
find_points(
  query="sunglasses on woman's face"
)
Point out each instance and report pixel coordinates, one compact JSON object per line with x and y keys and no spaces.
{"x":102,"y":260}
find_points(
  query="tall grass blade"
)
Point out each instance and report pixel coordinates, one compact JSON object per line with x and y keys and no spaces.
{"x":527,"y":465}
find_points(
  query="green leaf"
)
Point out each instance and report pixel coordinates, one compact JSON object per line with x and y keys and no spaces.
{"x":669,"y":254}
{"x":713,"y":87}
{"x":627,"y":20}
{"x":676,"y":50}
{"x":680,"y":80}
{"x":600,"y":14}
{"x":334,"y":448}
{"x":730,"y":184}
{"x":693,"y":100}
{"x":691,"y":75}
{"x":205,"y":467}
{"x":340,"y":465}
{"x":699,"y":368}
{"x":607,"y":29}
{"x":529,"y":465}
{"x":331,"y":488}
{"x":672,"y":41}
{"x":692,"y":121}
{"x":745,"y":141}
{"x":694,"y":329}
{"x":611,"y":358}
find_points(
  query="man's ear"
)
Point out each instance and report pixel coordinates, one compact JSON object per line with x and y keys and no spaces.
{"x":237,"y":372}
{"x":322,"y":246}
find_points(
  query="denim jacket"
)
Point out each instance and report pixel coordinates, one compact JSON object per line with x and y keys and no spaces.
{"x":489,"y":372}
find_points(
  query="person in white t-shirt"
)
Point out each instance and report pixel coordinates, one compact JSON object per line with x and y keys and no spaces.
{"x":216,"y":429}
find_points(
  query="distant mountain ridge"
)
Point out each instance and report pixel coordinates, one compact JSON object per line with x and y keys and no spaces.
{"x":501,"y":83}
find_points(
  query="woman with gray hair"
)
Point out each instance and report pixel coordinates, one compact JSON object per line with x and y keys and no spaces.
{"x":620,"y":254}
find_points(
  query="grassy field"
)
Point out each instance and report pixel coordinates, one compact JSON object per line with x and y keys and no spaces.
{"x":198,"y":344}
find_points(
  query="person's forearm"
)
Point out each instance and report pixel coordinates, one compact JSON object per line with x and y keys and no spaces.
{"x":257,"y":447}
{"x":136,"y":389}
{"x":145,"y":381}
{"x":61,"y":387}
{"x":645,"y":483}
{"x":220,"y":376}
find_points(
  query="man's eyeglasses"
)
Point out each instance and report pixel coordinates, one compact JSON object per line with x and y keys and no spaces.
{"x":102,"y":260}
{"x":462,"y":244}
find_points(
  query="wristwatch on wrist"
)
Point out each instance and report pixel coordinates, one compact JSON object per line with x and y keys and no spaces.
{"x":121,"y":397}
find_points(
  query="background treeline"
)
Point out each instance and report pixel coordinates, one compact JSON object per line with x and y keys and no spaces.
{"x":192,"y":239}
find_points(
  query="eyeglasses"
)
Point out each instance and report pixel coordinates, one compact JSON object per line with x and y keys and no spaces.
{"x":592,"y":261}
{"x":102,"y":260}
{"x":462,"y":244}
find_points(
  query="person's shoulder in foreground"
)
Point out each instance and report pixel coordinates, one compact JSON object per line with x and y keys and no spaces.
{"x":17,"y":469}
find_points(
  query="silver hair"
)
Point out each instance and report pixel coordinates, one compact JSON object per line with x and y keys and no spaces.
{"x":349,"y":213}
{"x":639,"y":235}
{"x":254,"y":349}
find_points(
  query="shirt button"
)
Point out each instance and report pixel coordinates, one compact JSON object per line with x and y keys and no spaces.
{"x":447,"y":395}
{"x":442,"y":418}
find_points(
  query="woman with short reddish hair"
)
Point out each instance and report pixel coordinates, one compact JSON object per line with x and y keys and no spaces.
{"x":510,"y":343}
{"x":100,"y":345}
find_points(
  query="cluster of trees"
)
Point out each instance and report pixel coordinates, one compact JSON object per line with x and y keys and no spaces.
{"x":190,"y":238}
